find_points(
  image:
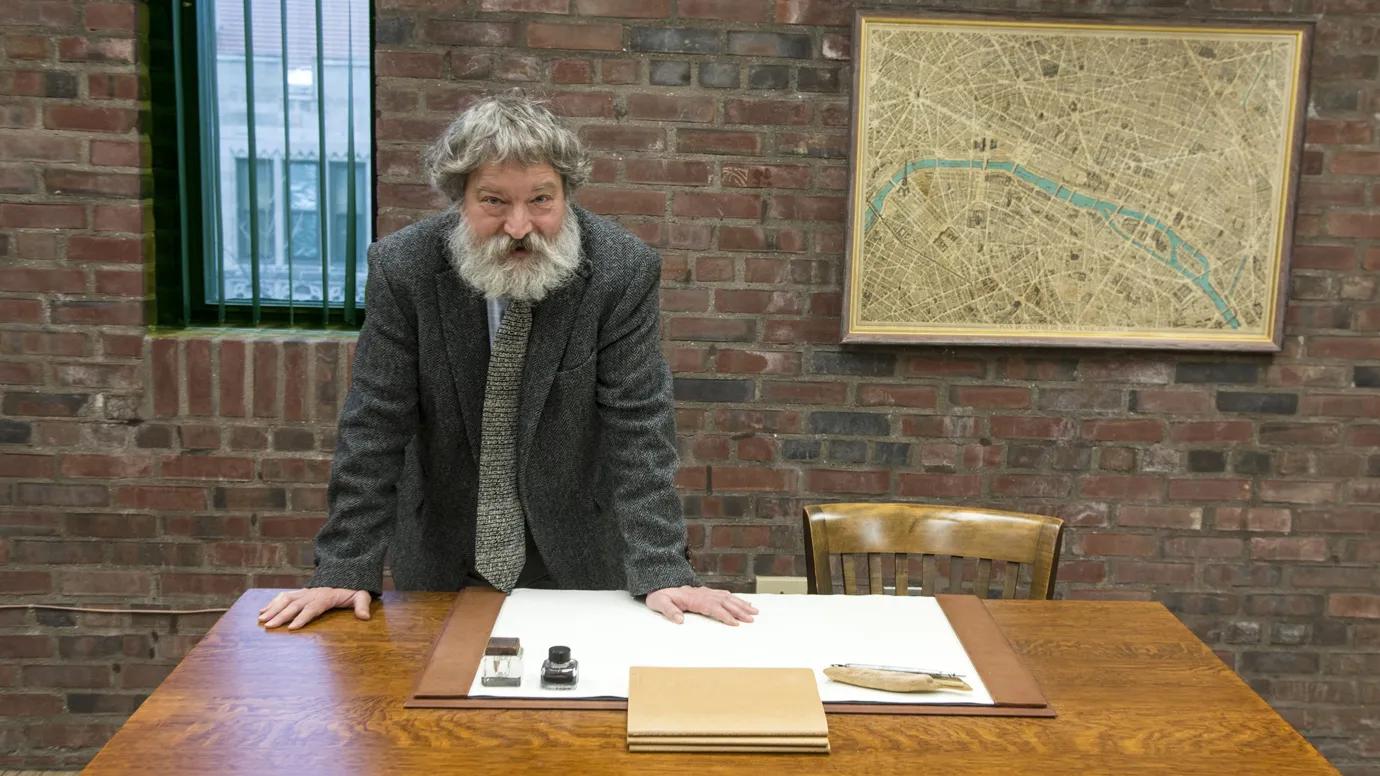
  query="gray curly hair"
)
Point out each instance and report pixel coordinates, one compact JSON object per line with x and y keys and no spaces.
{"x":501,"y":128}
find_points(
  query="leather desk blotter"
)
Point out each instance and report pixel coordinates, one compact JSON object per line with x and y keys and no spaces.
{"x":725,"y":710}
{"x":454,"y":661}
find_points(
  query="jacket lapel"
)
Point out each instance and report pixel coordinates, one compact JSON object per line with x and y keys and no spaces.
{"x":466,"y":326}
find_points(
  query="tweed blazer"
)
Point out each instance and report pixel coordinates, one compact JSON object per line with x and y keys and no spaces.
{"x":596,"y":431}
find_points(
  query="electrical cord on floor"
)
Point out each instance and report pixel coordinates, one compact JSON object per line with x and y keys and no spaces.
{"x":111,"y":611}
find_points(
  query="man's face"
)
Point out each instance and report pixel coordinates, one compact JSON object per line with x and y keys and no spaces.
{"x":512,"y":199}
{"x":516,"y":236}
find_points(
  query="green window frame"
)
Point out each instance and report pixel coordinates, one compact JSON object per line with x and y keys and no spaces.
{"x":257,"y":125}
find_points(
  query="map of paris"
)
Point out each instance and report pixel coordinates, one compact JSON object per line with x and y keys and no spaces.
{"x":1067,"y":182}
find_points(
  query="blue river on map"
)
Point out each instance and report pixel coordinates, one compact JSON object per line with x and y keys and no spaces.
{"x":1107,"y":210}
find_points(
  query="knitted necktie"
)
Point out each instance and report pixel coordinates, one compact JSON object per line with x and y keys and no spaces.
{"x":500,"y":538}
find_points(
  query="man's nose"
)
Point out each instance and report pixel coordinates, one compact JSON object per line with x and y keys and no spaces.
{"x":518,"y":223}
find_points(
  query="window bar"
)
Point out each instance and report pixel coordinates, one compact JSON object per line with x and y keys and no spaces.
{"x":253,"y":161}
{"x":209,"y":159}
{"x":350,"y":236}
{"x":287,"y":157}
{"x":183,"y":218}
{"x":323,"y":212}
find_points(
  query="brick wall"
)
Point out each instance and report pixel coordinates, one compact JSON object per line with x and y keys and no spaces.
{"x":166,"y":470}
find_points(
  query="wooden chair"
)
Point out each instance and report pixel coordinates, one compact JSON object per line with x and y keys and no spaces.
{"x":892,"y":535}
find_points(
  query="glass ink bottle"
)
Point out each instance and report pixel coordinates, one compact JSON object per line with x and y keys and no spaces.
{"x":559,"y":671}
{"x":502,"y":664}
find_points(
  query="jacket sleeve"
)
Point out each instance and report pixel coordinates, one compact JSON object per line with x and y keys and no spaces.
{"x":377,"y":422}
{"x":637,"y":415}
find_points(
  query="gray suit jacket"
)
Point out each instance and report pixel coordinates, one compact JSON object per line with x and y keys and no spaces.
{"x":596,"y":447}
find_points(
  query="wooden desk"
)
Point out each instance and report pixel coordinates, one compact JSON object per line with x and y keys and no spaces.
{"x":1136,"y":692}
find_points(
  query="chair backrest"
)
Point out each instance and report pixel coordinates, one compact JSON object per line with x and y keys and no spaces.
{"x":891,"y":536}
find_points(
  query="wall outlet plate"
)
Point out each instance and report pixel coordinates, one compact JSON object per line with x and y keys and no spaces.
{"x":781,"y":585}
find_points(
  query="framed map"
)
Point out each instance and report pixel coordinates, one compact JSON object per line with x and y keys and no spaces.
{"x":1072,"y":183}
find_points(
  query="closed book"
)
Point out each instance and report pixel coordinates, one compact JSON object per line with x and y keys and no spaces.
{"x":731,"y":702}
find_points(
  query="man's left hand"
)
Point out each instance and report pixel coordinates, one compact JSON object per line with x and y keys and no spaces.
{"x":673,"y":602}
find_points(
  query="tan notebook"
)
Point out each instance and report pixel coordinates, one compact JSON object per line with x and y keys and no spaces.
{"x":731,"y":702}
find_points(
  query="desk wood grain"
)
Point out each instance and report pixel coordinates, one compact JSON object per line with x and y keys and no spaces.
{"x":1136,"y":693}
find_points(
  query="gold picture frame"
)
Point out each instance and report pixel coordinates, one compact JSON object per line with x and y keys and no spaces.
{"x":1074,"y":183}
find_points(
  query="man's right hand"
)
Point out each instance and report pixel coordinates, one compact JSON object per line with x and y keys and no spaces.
{"x":299,"y":607}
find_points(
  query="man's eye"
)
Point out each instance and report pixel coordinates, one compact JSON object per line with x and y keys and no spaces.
{"x":542,"y":199}
{"x":491,"y":201}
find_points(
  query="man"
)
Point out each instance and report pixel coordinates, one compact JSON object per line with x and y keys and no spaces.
{"x":509,"y":420}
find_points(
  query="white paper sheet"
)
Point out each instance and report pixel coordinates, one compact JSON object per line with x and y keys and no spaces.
{"x":609,"y":631}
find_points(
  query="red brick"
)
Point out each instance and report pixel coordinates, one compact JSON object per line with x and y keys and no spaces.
{"x":756,"y":302}
{"x":1298,"y":492}
{"x":1289,"y":548}
{"x":1030,"y":485}
{"x":804,"y":392}
{"x":205,"y":467}
{"x":717,"y":141}
{"x":813,"y":331}
{"x":1160,"y":517}
{"x":756,"y":362}
{"x":671,"y":108}
{"x":1355,"y":163}
{"x":824,"y":13}
{"x":1117,"y":544}
{"x":1341,"y":405}
{"x":66,"y":281}
{"x":1169,"y":401}
{"x":641,"y":9}
{"x":1359,"y":605}
{"x":667,"y":171}
{"x":917,"y":396}
{"x":725,"y":10}
{"x":1212,"y":431}
{"x":1351,"y":224}
{"x":990,"y":397}
{"x":90,"y":119}
{"x":759,"y":112}
{"x":265,"y":379}
{"x":938,"y":485}
{"x":756,"y":448}
{"x":1123,"y":430}
{"x":622,"y":138}
{"x":572,"y":71}
{"x":408,"y":64}
{"x":623,"y":201}
{"x":714,"y":329}
{"x":584,"y":37}
{"x":764,"y":176}
{"x":619,"y":71}
{"x":1338,"y":132}
{"x":120,"y":17}
{"x":126,"y":250}
{"x":1132,"y":488}
{"x":21,"y":372}
{"x":232,"y":371}
{"x":118,"y":50}
{"x":526,"y":6}
{"x":1142,"y":572}
{"x":583,"y":105}
{"x":717,"y":205}
{"x":42,"y":216}
{"x":752,"y":478}
{"x":105,"y":583}
{"x":106,"y":466}
{"x":1209,"y":490}
{"x":109,"y":313}
{"x":841,"y":481}
{"x":796,"y":208}
{"x":161,"y":497}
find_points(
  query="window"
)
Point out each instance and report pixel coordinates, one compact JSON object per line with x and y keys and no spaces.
{"x":262,"y":161}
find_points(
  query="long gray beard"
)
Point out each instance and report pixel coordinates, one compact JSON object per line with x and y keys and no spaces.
{"x":486,"y":265}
